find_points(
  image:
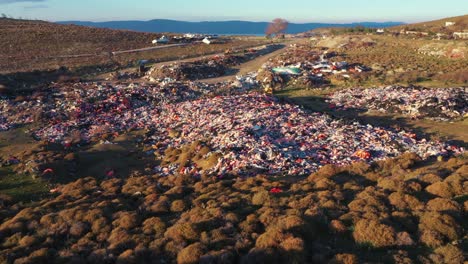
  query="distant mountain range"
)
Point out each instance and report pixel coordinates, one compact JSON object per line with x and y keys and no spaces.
{"x":216,"y":27}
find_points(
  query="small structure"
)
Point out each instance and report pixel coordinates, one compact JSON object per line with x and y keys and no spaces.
{"x":449,"y":24}
{"x":161,"y":40}
{"x":207,"y":41}
{"x":380,"y":31}
{"x":460,"y":35}
{"x":440,"y":36}
{"x":410,"y":32}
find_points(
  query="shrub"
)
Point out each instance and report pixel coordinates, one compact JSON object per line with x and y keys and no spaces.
{"x":337,"y":226}
{"x":448,"y":254}
{"x":154,"y":226}
{"x":126,"y":220}
{"x":271,"y":238}
{"x":441,"y":189}
{"x":432,"y":223}
{"x":78,"y":229}
{"x":191,"y":254}
{"x":28,"y":241}
{"x":405,"y":201}
{"x":375,"y":233}
{"x":177,"y":206}
{"x":443,"y":205}
{"x":182,"y":231}
{"x":126,"y":257}
{"x":261,"y":197}
{"x":344,"y":259}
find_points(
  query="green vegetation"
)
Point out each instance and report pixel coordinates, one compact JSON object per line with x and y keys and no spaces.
{"x":22,"y":188}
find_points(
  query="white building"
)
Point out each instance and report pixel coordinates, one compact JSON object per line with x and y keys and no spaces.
{"x":449,"y":23}
{"x":460,"y":35}
{"x":162,"y":40}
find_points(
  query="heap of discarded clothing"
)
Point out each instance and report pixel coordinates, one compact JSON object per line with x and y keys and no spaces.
{"x":255,"y":133}
{"x":76,"y":105}
{"x":250,"y":133}
{"x":418,"y":102}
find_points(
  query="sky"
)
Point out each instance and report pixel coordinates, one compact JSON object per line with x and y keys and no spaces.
{"x":336,"y":11}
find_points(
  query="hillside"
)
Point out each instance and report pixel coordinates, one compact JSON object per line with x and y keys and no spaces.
{"x":41,"y":47}
{"x":215,"y":27}
{"x":461,"y":23}
{"x":29,"y":42}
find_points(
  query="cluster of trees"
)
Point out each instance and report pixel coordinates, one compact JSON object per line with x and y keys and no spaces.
{"x":356,"y":29}
{"x":277,"y":27}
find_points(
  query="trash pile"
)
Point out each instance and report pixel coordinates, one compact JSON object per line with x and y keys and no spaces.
{"x":215,"y":66}
{"x":201,"y":69}
{"x":247,"y":132}
{"x":76,"y":105}
{"x":418,"y":102}
{"x":453,"y":50}
{"x":301,"y":65}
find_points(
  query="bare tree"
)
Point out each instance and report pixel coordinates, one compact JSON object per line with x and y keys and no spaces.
{"x":277,"y":27}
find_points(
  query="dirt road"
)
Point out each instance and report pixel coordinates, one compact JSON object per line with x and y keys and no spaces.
{"x":247,"y":67}
{"x":149,"y":48}
{"x":252,"y":65}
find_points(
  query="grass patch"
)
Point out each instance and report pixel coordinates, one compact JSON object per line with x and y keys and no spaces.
{"x":22,"y":188}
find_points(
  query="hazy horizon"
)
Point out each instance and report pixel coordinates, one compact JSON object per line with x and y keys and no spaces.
{"x":301,"y":11}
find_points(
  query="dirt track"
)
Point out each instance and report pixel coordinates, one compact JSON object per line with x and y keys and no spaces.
{"x":247,"y":67}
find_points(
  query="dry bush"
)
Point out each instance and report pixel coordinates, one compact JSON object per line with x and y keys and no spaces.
{"x":431,"y":178}
{"x":80,"y":187}
{"x":435,"y":226}
{"x":112,"y":186}
{"x":270,"y":239}
{"x":78,"y":229}
{"x":405,"y":202}
{"x":444,"y":206}
{"x":403,"y":162}
{"x":337,"y":227}
{"x":191,"y":254}
{"x":448,"y":189}
{"x":325,"y":184}
{"x":120,"y":240}
{"x":369,"y":201}
{"x":144,"y":185}
{"x":28,"y":241}
{"x":154,"y":226}
{"x":391,"y":184}
{"x":262,"y":197}
{"x":404,"y":239}
{"x":344,"y":259}
{"x":326,"y":171}
{"x":126,"y":257}
{"x":182,"y":232}
{"x":291,"y":223}
{"x":178,"y":206}
{"x":431,"y":238}
{"x":375,"y":233}
{"x":448,"y":254}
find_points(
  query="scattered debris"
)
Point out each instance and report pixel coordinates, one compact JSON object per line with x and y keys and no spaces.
{"x":418,"y":102}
